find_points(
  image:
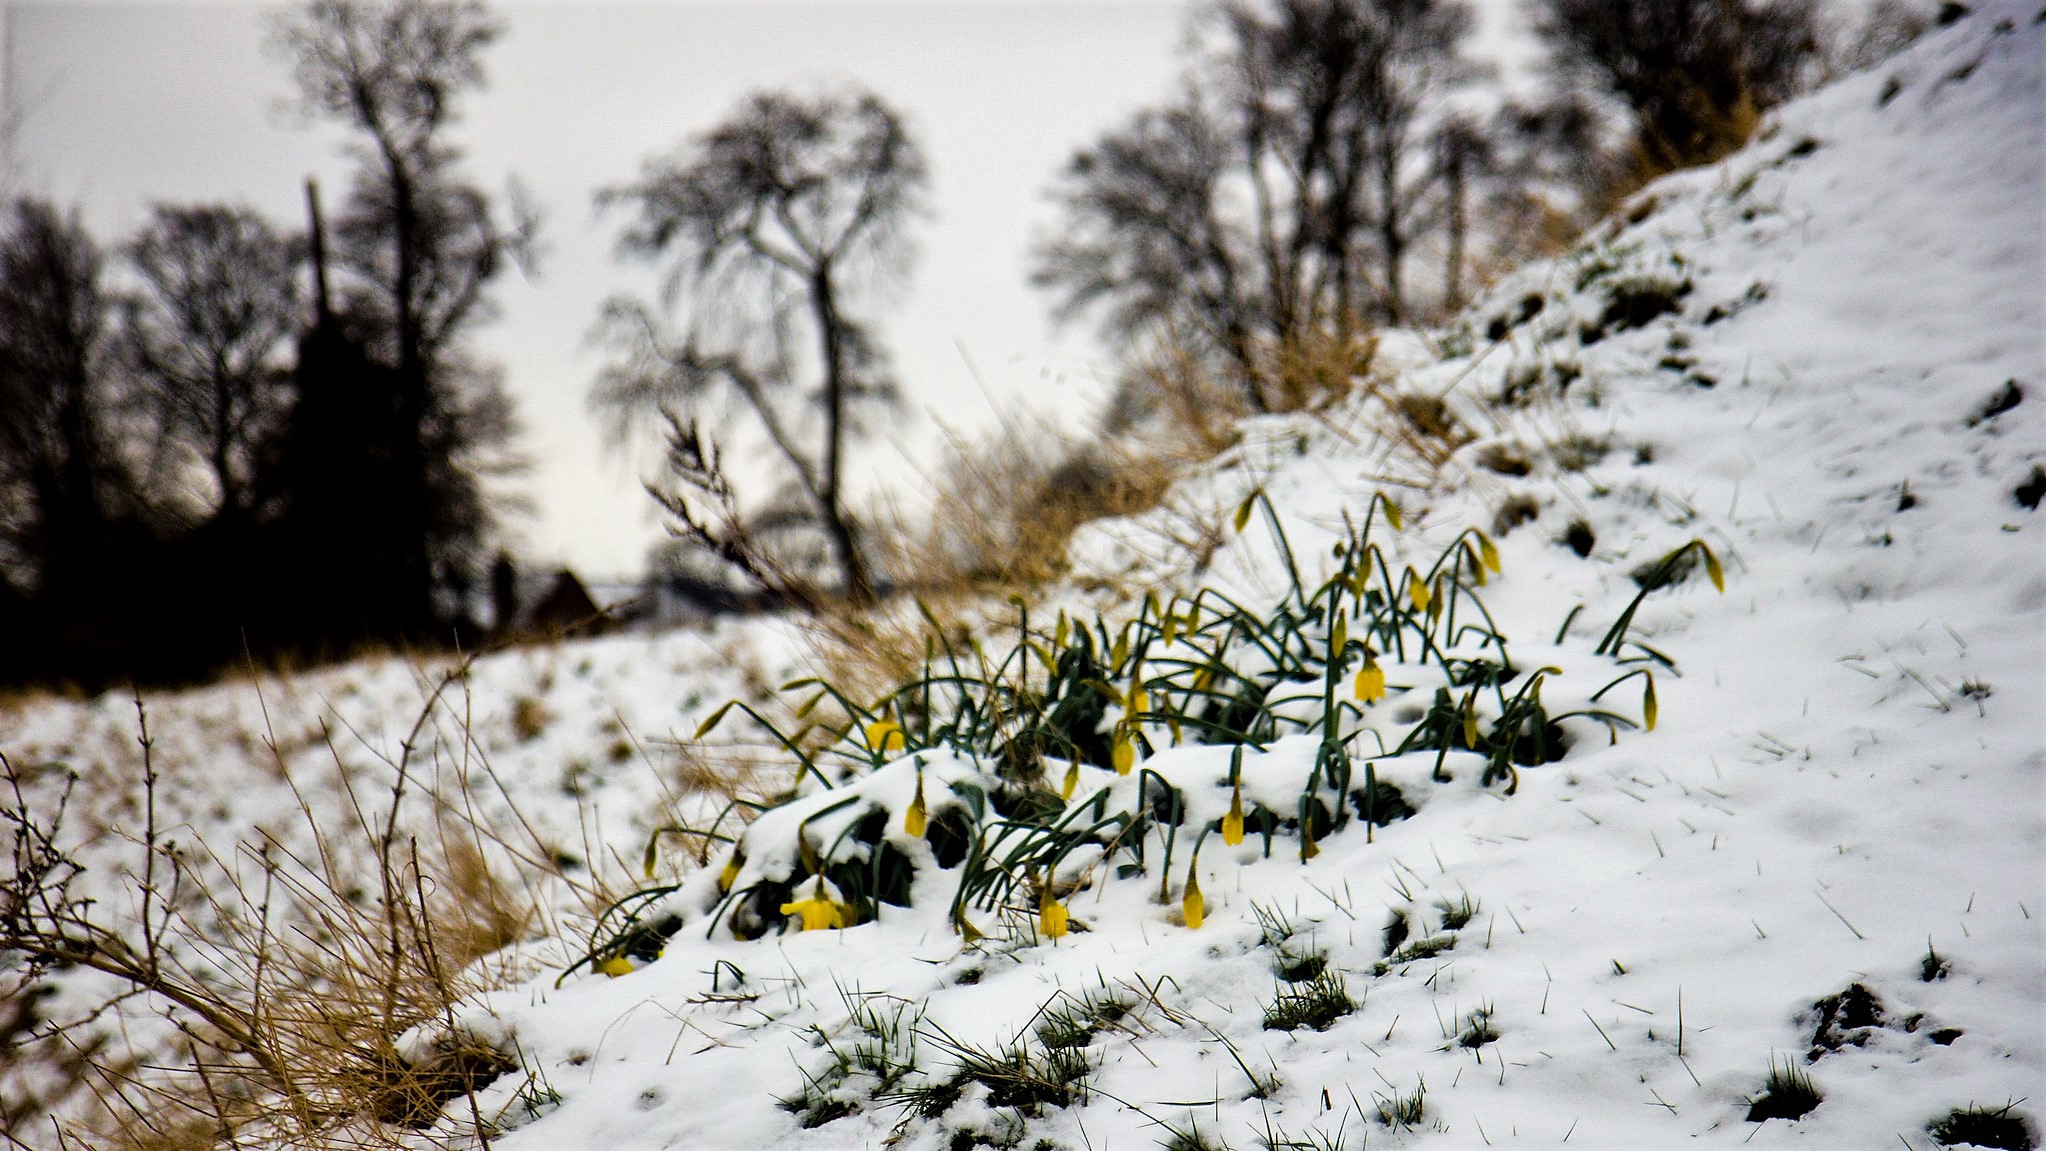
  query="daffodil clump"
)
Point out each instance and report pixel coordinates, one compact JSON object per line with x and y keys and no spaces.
{"x":1008,"y":786}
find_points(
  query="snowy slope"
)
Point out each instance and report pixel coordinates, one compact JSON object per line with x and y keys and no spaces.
{"x":1805,"y":357}
{"x":1847,"y":776}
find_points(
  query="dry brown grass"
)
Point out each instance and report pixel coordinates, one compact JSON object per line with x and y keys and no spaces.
{"x":1005,"y":505}
{"x":260,"y":996}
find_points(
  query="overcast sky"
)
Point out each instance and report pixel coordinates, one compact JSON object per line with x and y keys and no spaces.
{"x":121,"y":104}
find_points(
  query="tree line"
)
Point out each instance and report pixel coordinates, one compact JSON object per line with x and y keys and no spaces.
{"x":255,"y":440}
{"x":222,"y":438}
{"x":1321,"y":170}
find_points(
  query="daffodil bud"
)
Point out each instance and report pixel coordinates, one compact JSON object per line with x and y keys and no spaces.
{"x":1487,"y":553}
{"x":616,"y":966}
{"x":1051,"y":915}
{"x":1417,"y":591}
{"x":1124,"y":755}
{"x":919,"y":815}
{"x":1232,"y":823}
{"x":1470,"y":719}
{"x":1648,"y":706}
{"x":730,"y":874}
{"x":1191,"y":905}
{"x":1713,"y":571}
{"x":1071,"y":784}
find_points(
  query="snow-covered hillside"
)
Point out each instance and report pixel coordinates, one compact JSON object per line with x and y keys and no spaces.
{"x":1821,"y":359}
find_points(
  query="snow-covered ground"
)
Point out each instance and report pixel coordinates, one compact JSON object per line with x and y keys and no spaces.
{"x":1822,"y":358}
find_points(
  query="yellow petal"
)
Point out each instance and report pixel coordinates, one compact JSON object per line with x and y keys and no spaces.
{"x":1051,"y":916}
{"x":1125,"y":755}
{"x":1232,"y":823}
{"x":919,"y":815}
{"x":884,"y":736}
{"x":1417,"y":591}
{"x":1488,"y":553}
{"x":1370,"y":683}
{"x":616,"y":966}
{"x":1648,"y":706}
{"x":1191,"y":905}
{"x":1713,"y":570}
{"x":815,"y":914}
{"x":1071,"y":784}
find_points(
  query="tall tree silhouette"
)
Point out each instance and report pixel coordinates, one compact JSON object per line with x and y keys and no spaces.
{"x":773,"y":220}
{"x":60,"y":482}
{"x":415,"y":249}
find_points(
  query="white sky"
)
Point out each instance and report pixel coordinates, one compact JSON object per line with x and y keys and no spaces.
{"x":124,"y":103}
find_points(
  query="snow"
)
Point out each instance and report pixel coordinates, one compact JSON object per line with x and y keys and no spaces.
{"x":1849,"y":768}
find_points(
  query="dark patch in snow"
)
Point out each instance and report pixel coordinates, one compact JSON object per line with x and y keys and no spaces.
{"x":1980,"y":1127}
{"x":1847,"y":1019}
{"x":2029,"y":493}
{"x":1580,"y":538}
{"x":2006,"y":398}
{"x":1950,"y":12}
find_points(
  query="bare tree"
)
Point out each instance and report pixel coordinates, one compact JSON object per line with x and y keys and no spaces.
{"x":1692,"y":76}
{"x":1281,"y":195}
{"x":59,"y":475}
{"x":421,"y":246}
{"x":773,"y":220}
{"x":218,"y":308}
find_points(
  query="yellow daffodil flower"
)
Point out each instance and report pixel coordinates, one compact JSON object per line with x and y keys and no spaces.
{"x":1417,"y":591}
{"x":1488,"y":553}
{"x":1370,"y":682}
{"x":616,"y":966}
{"x":1191,"y":905}
{"x":884,"y":736}
{"x":817,"y":906}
